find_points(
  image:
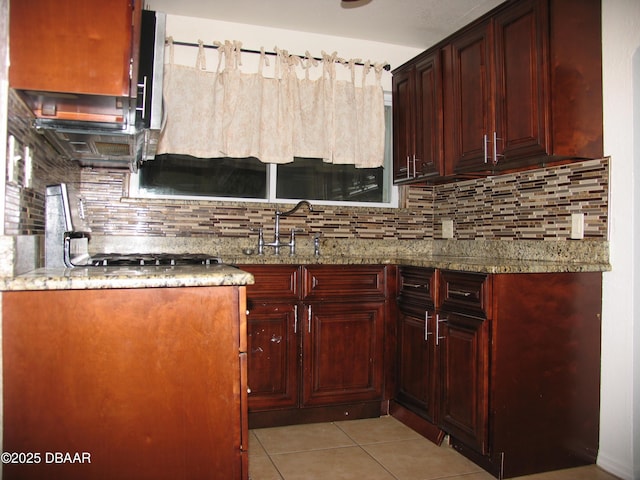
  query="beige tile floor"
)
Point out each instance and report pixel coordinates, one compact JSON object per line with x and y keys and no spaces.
{"x":372,"y":449}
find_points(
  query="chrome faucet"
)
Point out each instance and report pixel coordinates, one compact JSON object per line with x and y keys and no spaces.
{"x":276,"y":244}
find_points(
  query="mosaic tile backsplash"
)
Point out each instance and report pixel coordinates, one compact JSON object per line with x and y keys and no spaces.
{"x":533,"y":205}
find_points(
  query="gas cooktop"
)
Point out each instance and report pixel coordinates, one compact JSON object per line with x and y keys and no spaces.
{"x":152,"y":259}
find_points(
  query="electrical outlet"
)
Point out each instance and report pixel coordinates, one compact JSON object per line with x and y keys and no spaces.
{"x":577,"y":226}
{"x":447,"y":228}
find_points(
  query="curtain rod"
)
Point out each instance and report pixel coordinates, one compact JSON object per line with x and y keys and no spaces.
{"x":387,"y":67}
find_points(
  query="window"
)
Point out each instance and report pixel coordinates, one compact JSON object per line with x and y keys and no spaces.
{"x":183,"y":175}
{"x":313,"y":179}
{"x":248,"y":179}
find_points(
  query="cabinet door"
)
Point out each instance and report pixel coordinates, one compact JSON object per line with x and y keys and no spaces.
{"x":464,"y":353}
{"x":417,"y":370}
{"x":417,"y":121}
{"x":73,"y":46}
{"x":403,"y":123}
{"x":522,"y":79}
{"x":472,"y":116}
{"x":149,"y":381}
{"x":272,"y":355}
{"x":343,"y":352}
{"x":428,"y":116}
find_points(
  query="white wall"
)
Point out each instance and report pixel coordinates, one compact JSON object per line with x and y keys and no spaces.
{"x":620,"y":417}
{"x":189,"y":29}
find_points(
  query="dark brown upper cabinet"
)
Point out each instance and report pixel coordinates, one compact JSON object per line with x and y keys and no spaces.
{"x":520,"y":88}
{"x":417,"y":119}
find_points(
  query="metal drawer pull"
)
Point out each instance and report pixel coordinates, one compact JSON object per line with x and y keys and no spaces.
{"x":495,"y":148}
{"x":484,"y":145}
{"x":426,"y":326}
{"x":413,"y":285}
{"x":309,"y":312}
{"x":295,"y":319}
{"x":460,"y":293}
{"x":438,"y":321}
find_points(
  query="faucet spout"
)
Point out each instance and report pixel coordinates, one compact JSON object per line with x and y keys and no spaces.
{"x":295,"y":209}
{"x":276,"y":244}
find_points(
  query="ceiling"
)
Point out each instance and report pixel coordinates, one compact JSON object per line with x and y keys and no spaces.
{"x":412,"y":23}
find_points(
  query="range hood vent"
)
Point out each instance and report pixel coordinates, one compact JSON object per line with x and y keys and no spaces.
{"x":111,"y":149}
{"x":101,"y":149}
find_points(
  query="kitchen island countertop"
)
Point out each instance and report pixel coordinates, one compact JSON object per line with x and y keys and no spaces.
{"x":80,"y":278}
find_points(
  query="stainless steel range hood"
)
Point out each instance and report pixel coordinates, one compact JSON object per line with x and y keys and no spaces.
{"x":118,"y":133}
{"x":96,"y":146}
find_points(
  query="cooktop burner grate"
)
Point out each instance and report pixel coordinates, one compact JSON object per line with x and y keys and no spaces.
{"x":152,"y":259}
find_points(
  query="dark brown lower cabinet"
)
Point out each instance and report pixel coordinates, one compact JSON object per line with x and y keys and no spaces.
{"x":272,"y":346}
{"x":464,"y":378}
{"x":517,"y":368}
{"x":343,"y":353}
{"x":416,"y":377}
{"x":316,"y":343}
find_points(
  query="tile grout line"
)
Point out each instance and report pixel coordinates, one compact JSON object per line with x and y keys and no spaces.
{"x":366,"y":452}
{"x":268,"y":456}
{"x":454,"y":476}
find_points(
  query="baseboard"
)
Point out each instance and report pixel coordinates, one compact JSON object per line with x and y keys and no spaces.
{"x":416,"y":422}
{"x":329,"y":413}
{"x":614,"y":467}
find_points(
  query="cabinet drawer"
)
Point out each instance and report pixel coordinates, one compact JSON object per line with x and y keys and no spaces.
{"x":273,"y":281}
{"x":462,"y":292}
{"x":416,"y":287}
{"x":321,"y":281}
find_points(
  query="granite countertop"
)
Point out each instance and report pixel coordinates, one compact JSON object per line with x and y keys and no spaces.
{"x":445,"y":262}
{"x":127,"y":277}
{"x":471,"y":256}
{"x":468,"y":256}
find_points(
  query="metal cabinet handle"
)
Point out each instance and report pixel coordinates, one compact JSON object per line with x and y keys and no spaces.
{"x":143,"y":85}
{"x":495,"y":148}
{"x":484,"y":146}
{"x":295,"y":319}
{"x":426,"y":326}
{"x":309,"y":315}
{"x":438,"y":321}
{"x":408,"y":169}
{"x":414,"y":165}
{"x":413,"y":285}
{"x":460,"y":293}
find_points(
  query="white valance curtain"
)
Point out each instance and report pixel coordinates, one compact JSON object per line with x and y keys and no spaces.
{"x":230,"y":113}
